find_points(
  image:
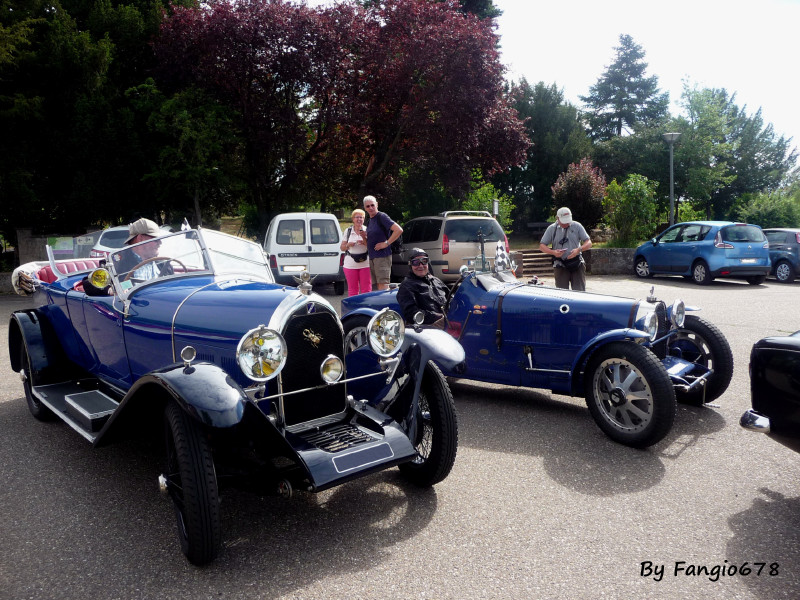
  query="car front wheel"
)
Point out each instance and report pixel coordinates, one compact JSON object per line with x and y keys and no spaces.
{"x":700,"y":273}
{"x":785,"y":272}
{"x":437,"y":431}
{"x":192,"y":484}
{"x":702,"y":342}
{"x":629,"y":394}
{"x":642,"y":268}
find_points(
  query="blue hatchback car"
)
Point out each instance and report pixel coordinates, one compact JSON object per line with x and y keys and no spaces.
{"x":706,"y":250}
{"x":784,"y":252}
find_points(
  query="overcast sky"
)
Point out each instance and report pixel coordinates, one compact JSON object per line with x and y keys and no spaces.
{"x":750,"y":48}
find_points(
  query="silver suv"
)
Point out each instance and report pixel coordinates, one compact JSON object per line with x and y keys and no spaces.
{"x":450,"y":239}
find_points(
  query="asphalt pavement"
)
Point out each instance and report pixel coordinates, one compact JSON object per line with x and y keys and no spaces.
{"x":540,"y":504}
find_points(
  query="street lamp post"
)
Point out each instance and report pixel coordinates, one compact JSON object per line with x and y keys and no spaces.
{"x":671,"y":138}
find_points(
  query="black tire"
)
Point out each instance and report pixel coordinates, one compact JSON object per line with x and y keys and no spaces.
{"x":338,"y":287}
{"x":629,"y":394}
{"x":641,"y":267}
{"x":756,"y":279}
{"x":437,"y":431}
{"x":38,"y":410}
{"x":702,"y":342}
{"x":700,"y":273}
{"x":192,"y":485}
{"x":785,"y":272}
{"x":355,"y":333}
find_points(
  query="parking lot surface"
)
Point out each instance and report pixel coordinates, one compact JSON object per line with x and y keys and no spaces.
{"x":540,"y":503}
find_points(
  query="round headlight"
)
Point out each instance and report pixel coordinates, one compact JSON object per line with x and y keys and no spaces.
{"x":99,"y":278}
{"x":385,"y":332}
{"x":651,"y":325}
{"x":261,"y":353}
{"x":332,"y":369}
{"x":678,"y":313}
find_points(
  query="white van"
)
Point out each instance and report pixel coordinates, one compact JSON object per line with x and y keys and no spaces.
{"x":297,"y":242}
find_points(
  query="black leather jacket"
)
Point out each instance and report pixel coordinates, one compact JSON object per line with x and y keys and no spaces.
{"x":427,"y":294}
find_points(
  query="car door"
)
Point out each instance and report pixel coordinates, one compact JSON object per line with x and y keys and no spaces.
{"x":660,"y":257}
{"x":686,"y":247}
{"x":104,"y":326}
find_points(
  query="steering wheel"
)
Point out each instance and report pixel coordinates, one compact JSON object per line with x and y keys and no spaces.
{"x":148,"y":261}
{"x":452,"y":292}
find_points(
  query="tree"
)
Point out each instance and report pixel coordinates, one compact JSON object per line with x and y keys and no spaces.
{"x":623,"y":99}
{"x":771,"y":209}
{"x":630,"y":209}
{"x":582,"y":188}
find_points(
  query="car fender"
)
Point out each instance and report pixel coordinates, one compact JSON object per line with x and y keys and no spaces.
{"x":615,"y":335}
{"x":46,"y":356}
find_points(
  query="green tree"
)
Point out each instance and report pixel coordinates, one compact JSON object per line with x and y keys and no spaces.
{"x":582,"y":188}
{"x":623,"y":99}
{"x":482,"y":197}
{"x":630,"y":209}
{"x":780,"y":208}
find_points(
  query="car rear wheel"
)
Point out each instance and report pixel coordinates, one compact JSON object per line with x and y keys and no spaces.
{"x":700,"y":273}
{"x":641,"y":267}
{"x":784,"y":272}
{"x":192,"y":484}
{"x":355,"y":333}
{"x":629,"y":394}
{"x":756,"y":279}
{"x":437,"y":431}
{"x":338,"y":287}
{"x":37,"y":409}
{"x":702,"y":342}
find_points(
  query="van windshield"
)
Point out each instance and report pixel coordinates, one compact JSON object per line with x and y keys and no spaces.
{"x":466,"y":230}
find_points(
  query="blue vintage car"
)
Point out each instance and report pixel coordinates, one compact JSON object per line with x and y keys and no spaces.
{"x":629,"y":358}
{"x":245,"y":378}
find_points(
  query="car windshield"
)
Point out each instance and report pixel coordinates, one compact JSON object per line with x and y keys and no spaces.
{"x":114,"y":238}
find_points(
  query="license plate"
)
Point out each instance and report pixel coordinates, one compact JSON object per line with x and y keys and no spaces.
{"x":293,"y":268}
{"x":748,"y":261}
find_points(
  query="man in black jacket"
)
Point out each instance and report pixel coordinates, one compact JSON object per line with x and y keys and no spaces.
{"x":422,"y":292}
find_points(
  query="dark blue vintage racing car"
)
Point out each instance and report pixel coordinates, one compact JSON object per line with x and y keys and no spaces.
{"x":630,"y":359}
{"x":245,"y":378}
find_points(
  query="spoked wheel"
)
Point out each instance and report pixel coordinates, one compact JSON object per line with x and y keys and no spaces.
{"x":192,"y":484}
{"x":437,"y":432}
{"x":355,"y":333}
{"x":702,"y":342}
{"x":629,"y":394}
{"x":37,"y":409}
{"x":642,"y":268}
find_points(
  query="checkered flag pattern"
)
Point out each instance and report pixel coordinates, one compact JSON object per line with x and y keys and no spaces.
{"x":502,"y":261}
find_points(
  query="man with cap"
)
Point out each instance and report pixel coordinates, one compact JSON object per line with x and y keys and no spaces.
{"x":566,"y":240}
{"x":422,"y":292}
{"x":127,"y":264}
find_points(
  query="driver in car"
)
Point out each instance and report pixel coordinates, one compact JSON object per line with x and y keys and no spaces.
{"x":143,"y":230}
{"x":422,"y":292}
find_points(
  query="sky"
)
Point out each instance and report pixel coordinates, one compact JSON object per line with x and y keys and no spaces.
{"x":748,"y":47}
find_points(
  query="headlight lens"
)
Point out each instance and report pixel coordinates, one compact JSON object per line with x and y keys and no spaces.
{"x":99,"y":278}
{"x":651,"y":325}
{"x":386,"y":331}
{"x":678,"y":313}
{"x":332,"y":369}
{"x":261,"y":353}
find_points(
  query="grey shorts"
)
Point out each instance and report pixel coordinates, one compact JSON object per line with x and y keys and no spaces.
{"x":381,"y":269}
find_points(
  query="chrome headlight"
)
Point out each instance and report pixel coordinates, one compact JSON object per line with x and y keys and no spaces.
{"x":99,"y":278}
{"x":677,"y":313}
{"x":261,"y":353}
{"x":385,"y":332}
{"x":651,"y":325}
{"x":331,"y":369}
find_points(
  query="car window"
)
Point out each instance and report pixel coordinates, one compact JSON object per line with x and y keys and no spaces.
{"x":466,"y":230}
{"x":776,"y":237}
{"x":114,"y":238}
{"x":692,"y":233}
{"x":325,"y":231}
{"x":742,"y":233}
{"x":291,"y":232}
{"x":431,"y":228}
{"x":670,"y":235}
{"x":410,"y":230}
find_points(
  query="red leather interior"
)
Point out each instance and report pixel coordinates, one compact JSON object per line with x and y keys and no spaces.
{"x":68,"y":266}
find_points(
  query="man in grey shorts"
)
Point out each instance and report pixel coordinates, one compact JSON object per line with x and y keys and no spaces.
{"x":381,"y":232}
{"x":566,"y":240}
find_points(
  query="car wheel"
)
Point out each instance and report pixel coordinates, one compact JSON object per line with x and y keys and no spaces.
{"x":37,"y":409}
{"x":641,"y":268}
{"x":784,"y":272}
{"x":192,"y":484}
{"x":756,"y":279}
{"x":338,"y":287}
{"x":437,"y":431}
{"x":629,"y":394}
{"x":355,"y":333}
{"x":700,"y":273}
{"x":702,"y":342}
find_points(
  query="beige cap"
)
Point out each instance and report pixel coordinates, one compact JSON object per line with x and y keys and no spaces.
{"x":143,"y":227}
{"x":564,"y":215}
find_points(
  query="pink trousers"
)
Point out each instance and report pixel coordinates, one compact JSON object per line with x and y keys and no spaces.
{"x":358,"y":281}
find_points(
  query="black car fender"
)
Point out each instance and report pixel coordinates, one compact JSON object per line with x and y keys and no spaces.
{"x":47,"y":358}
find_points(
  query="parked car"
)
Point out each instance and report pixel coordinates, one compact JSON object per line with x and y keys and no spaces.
{"x":775,"y":390}
{"x":113,"y":238}
{"x":705,"y":250}
{"x":629,"y":358}
{"x":784,"y":253}
{"x":449,"y":239}
{"x":297,"y":242}
{"x":246,"y":379}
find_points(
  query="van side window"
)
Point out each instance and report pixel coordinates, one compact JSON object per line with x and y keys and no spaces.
{"x":410,"y":231}
{"x":325,"y":231}
{"x":431,"y":231}
{"x":291,"y":231}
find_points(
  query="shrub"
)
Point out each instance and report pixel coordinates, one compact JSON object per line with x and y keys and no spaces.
{"x":630,"y":209}
{"x":581,"y":188}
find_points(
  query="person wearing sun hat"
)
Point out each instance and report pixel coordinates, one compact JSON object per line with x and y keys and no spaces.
{"x":422,"y":292}
{"x":566,"y":240}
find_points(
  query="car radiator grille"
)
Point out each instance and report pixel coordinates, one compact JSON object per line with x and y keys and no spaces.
{"x":660,"y":349}
{"x":337,"y":438}
{"x":310,"y":338}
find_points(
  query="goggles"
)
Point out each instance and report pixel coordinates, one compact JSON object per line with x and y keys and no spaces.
{"x":419,"y":261}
